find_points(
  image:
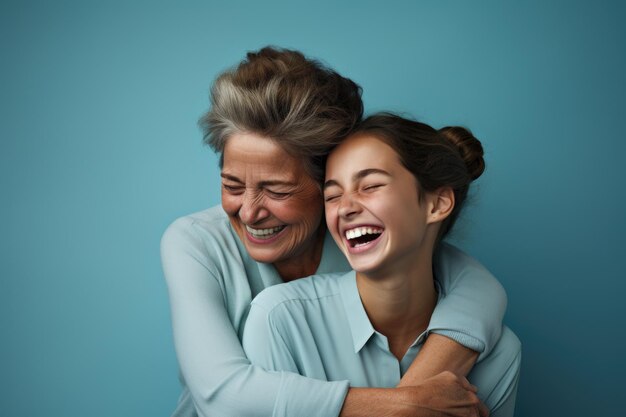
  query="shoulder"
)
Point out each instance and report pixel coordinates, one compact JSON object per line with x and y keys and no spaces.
{"x":212,"y":221}
{"x":203,"y":238}
{"x":298,"y":294}
{"x":451,"y":255}
{"x":210,"y":225}
{"x":461,"y":268}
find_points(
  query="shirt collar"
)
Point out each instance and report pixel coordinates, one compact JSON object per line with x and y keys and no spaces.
{"x":360,"y":325}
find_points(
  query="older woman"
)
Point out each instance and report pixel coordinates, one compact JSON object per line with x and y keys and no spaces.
{"x":274,"y":119}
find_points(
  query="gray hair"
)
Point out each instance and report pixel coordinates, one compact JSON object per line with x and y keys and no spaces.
{"x":279,"y":94}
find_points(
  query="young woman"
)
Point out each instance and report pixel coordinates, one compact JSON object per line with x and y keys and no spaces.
{"x":393,"y":191}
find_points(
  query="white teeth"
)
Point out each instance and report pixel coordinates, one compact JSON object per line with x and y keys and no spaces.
{"x":361,"y":231}
{"x":264,"y":233}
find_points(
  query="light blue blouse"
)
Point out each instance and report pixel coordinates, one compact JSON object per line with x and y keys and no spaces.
{"x":211,"y":281}
{"x":318,"y":327}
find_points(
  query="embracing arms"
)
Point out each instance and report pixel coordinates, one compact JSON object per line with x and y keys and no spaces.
{"x":220,"y":378}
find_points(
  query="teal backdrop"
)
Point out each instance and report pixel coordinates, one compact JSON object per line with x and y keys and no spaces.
{"x":100,"y":151}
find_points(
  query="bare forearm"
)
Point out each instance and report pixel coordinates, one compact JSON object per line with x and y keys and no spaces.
{"x":439,"y":354}
{"x":375,"y":402}
{"x":445,"y":394}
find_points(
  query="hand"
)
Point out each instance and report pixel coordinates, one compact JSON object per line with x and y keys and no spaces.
{"x":444,"y":394}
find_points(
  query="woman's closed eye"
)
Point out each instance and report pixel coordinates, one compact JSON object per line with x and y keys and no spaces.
{"x":233,"y":189}
{"x":372,"y":187}
{"x":277,"y":195}
{"x":330,"y":197}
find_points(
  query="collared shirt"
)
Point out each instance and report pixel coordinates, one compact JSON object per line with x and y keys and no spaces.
{"x":211,"y":281}
{"x":318,"y":327}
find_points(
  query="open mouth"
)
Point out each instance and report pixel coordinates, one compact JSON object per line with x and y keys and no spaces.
{"x":361,"y":236}
{"x":264,"y":234}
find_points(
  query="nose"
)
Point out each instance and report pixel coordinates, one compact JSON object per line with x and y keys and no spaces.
{"x":348,"y":206}
{"x":252,"y":210}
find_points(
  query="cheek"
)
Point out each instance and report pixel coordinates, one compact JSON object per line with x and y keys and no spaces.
{"x":230,"y":203}
{"x":315,"y":215}
{"x":314,"y":211}
{"x":306,"y":209}
{"x":307,"y":215}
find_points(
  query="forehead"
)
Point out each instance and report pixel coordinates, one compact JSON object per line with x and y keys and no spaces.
{"x":361,"y":151}
{"x":249,"y":153}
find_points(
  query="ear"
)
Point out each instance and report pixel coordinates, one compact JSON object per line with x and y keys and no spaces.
{"x":441,"y":205}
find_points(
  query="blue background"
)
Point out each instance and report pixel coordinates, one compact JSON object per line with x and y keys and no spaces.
{"x":100,"y":151}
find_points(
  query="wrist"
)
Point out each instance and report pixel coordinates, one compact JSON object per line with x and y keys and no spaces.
{"x":377,"y":402}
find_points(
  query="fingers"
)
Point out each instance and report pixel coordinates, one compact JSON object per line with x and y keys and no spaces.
{"x":466,"y":384}
{"x":483,"y":410}
{"x":455,"y":396}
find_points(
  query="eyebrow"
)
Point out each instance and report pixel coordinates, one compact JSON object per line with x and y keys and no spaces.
{"x":261,"y":184}
{"x":359,"y":176}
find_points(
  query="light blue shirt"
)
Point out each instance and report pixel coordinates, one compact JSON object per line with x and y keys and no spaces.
{"x":318,"y":327}
{"x":211,"y":281}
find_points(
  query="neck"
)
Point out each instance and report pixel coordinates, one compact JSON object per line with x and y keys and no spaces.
{"x":400,"y":302}
{"x":304,"y":263}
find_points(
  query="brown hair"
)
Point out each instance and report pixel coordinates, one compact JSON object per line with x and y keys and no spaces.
{"x":279,"y":94}
{"x":448,"y":157}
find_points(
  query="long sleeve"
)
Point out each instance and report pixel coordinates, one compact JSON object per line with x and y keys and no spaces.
{"x":219,"y":376}
{"x":474,"y":302}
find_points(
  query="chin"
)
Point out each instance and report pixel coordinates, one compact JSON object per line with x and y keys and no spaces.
{"x":266,"y":256}
{"x":364,"y":266}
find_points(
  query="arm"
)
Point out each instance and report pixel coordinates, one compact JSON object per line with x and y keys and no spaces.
{"x":467,"y":321}
{"x":473,"y":307}
{"x":439,"y":354}
{"x":445,"y":394}
{"x":221,"y":380}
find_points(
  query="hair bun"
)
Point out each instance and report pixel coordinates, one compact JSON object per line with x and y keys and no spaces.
{"x":468,"y":146}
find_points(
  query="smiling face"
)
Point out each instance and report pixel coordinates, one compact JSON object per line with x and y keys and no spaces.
{"x":273,"y":204}
{"x":372,"y":207}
